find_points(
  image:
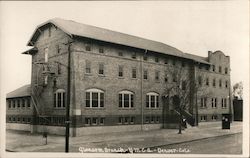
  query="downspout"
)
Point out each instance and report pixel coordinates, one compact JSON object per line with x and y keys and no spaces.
{"x":142,"y":115}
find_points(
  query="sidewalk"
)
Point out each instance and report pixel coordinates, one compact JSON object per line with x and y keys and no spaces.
{"x":17,"y":141}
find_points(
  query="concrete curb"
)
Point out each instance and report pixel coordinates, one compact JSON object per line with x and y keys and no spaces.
{"x":187,"y":141}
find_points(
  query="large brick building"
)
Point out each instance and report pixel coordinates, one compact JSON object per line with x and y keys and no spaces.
{"x":118,"y":82}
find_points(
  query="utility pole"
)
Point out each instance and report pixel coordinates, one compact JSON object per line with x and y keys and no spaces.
{"x":67,"y":121}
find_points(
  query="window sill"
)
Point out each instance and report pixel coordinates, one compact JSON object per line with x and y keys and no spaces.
{"x":94,"y":108}
{"x":153,"y":108}
{"x":126,"y":108}
{"x":59,"y":108}
{"x":88,"y":74}
{"x":119,"y":77}
{"x":101,"y":75}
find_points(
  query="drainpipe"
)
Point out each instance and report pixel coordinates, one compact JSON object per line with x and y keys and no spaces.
{"x":142,"y":115}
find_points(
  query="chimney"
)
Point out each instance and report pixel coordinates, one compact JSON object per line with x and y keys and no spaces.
{"x":209,"y":54}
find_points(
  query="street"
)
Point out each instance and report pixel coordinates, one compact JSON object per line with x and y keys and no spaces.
{"x":229,"y":144}
{"x":207,"y":138}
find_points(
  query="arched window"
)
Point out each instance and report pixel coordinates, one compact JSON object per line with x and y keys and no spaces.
{"x":59,"y":98}
{"x":94,"y":98}
{"x":152,"y":100}
{"x":126,"y":99}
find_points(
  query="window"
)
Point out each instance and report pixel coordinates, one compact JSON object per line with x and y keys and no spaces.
{"x":102,"y":119}
{"x":207,"y":81}
{"x":147,"y":119}
{"x":58,"y":49}
{"x":101,"y":50}
{"x":126,"y":99}
{"x":145,"y":58}
{"x":120,"y":71}
{"x":203,"y":118}
{"x":214,"y":83}
{"x":94,"y":98}
{"x":14,"y":103}
{"x":226,"y":70}
{"x":157,"y":75}
{"x":94,"y":121}
{"x":200,"y":80}
{"x":58,"y":69}
{"x":166,"y":61}
{"x":226,"y":84}
{"x":132,"y":120}
{"x":219,"y":69}
{"x":88,"y":46}
{"x":214,"y":117}
{"x":120,"y":120}
{"x":88,"y":67}
{"x":183,"y":64}
{"x":28,"y":120}
{"x":145,"y":74}
{"x":87,"y":121}
{"x":126,"y":120}
{"x":200,"y":66}
{"x":166,"y":77}
{"x":152,"y":100}
{"x":133,"y":55}
{"x":214,"y":102}
{"x":152,"y":119}
{"x":101,"y":69}
{"x":157,"y":119}
{"x":223,"y":102}
{"x":120,"y":54}
{"x":183,"y":85}
{"x":59,"y":98}
{"x":220,"y":83}
{"x":213,"y":67}
{"x":18,"y":103}
{"x":23,"y":103}
{"x":46,"y":54}
{"x":203,"y":102}
{"x":133,"y":72}
{"x":174,"y":62}
{"x":28,"y":103}
{"x":156,"y":59}
{"x":9,"y":103}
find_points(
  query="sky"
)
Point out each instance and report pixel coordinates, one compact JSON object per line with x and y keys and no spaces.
{"x":191,"y":26}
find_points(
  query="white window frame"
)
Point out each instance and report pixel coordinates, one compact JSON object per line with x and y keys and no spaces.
{"x":91,"y":91}
{"x":123,"y":93}
{"x":60,"y":92}
{"x":204,"y":102}
{"x":155,"y":99}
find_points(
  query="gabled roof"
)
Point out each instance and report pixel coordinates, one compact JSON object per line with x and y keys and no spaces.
{"x":197,"y":58}
{"x":20,"y":92}
{"x":73,"y":28}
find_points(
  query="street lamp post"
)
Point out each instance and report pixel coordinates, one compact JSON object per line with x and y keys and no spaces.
{"x":67,"y":122}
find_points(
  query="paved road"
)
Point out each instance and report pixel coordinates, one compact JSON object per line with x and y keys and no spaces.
{"x":229,"y":144}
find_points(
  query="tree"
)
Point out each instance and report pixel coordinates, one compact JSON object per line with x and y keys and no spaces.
{"x":238,"y":90}
{"x":186,"y":86}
